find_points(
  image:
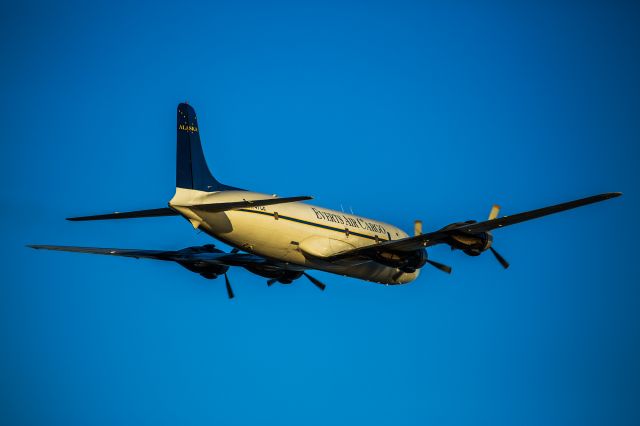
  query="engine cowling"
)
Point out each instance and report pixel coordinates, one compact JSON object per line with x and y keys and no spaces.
{"x":405,"y":261}
{"x":207,"y":270}
{"x":473,"y":244}
{"x":280,"y":275}
{"x":470,"y":244}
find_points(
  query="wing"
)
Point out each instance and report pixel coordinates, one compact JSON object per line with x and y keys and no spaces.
{"x":186,"y":255}
{"x":212,"y":208}
{"x":488,"y":225}
{"x":405,"y":244}
{"x":165,"y":211}
{"x":432,"y":238}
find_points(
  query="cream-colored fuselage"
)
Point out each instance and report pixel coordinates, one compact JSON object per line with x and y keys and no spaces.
{"x":295,"y":233}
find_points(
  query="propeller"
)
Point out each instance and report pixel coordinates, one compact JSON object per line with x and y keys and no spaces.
{"x":495,"y":211}
{"x":417,"y":227}
{"x":493,"y":214}
{"x":228,"y":284}
{"x":440,"y":266}
{"x":499,"y":258}
{"x":315,"y":281}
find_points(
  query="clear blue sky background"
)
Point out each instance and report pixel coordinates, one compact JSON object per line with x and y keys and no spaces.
{"x":399,"y":110}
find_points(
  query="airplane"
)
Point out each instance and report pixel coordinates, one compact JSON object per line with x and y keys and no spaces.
{"x":281,"y":238}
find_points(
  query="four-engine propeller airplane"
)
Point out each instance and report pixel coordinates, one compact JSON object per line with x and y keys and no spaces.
{"x":281,"y":238}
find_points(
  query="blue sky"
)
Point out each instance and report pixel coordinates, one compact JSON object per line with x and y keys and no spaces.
{"x":399,"y":110}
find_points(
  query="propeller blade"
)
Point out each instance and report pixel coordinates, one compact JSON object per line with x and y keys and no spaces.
{"x":228,"y":284}
{"x":271,"y":282}
{"x":417,"y":227}
{"x":499,"y":258}
{"x":495,"y":211}
{"x":440,"y":266}
{"x":314,"y":281}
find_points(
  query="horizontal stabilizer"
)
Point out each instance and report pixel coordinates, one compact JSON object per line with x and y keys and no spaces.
{"x":165,"y":211}
{"x":234,"y":205}
{"x":136,"y":253}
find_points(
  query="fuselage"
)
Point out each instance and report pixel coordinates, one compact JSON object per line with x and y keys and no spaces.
{"x":296,"y":233}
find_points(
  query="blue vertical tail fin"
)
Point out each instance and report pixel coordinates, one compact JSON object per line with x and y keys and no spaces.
{"x":192,"y":171}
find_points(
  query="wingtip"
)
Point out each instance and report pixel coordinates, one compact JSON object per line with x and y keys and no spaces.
{"x":607,"y":195}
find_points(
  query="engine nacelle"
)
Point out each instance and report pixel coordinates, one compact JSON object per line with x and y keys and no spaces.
{"x":470,"y":244}
{"x":405,"y":261}
{"x":207,"y":270}
{"x":482,"y":243}
{"x":280,"y":275}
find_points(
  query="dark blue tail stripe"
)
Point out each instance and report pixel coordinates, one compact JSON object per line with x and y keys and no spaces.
{"x":192,"y":171}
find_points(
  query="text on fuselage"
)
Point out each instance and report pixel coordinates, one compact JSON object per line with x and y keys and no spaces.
{"x":354,"y":222}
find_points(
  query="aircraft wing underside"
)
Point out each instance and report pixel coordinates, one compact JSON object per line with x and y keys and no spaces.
{"x":464,"y":228}
{"x":191,"y":255}
{"x":207,"y":261}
